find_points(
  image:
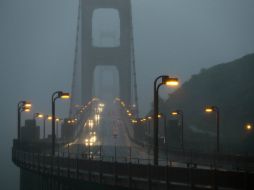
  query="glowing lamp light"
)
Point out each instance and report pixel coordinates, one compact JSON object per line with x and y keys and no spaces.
{"x":248,"y":126}
{"x":27,"y":104}
{"x":93,"y":139}
{"x":101,"y":105}
{"x":40,"y":115}
{"x":72,"y":121}
{"x":27,"y":109}
{"x":170,"y":81}
{"x":134,"y":121}
{"x":208,"y":109}
{"x":122,"y":103}
{"x":65,"y":95}
{"x":174,"y":113}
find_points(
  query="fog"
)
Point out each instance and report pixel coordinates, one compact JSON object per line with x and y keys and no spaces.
{"x":176,"y":37}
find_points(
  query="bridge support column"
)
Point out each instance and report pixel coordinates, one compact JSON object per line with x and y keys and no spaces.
{"x":125,"y":83}
{"x":87,"y":83}
{"x":118,"y":56}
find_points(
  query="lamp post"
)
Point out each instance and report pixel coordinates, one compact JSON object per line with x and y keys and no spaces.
{"x":38,"y":115}
{"x":165,"y":80}
{"x":41,"y":116}
{"x":22,"y":106}
{"x":58,"y":120}
{"x":210,"y":109}
{"x":56,"y":95}
{"x":179,"y":113}
{"x":144,"y":125}
{"x":49,"y":118}
{"x":149,"y":118}
{"x":160,"y":116}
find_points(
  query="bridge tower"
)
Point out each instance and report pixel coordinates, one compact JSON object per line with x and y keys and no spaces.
{"x":92,"y":56}
{"x":89,"y":55}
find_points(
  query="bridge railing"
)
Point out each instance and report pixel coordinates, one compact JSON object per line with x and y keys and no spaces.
{"x":123,"y":154}
{"x":100,"y":170}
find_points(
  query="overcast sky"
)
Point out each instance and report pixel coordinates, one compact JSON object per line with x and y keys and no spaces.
{"x":177,"y":37}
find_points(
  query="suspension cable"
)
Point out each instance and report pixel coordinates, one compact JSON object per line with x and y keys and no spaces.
{"x":73,"y":86}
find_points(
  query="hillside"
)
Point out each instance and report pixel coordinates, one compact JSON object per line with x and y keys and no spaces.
{"x":230,"y":86}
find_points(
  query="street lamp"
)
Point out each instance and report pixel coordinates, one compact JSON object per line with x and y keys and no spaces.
{"x":149,"y":118}
{"x":164,"y":117}
{"x":49,"y":118}
{"x":134,"y":121}
{"x":58,"y":120}
{"x":22,"y":106}
{"x":180,"y":114}
{"x":210,"y":109}
{"x":165,"y":80}
{"x":56,"y":95}
{"x":40,"y":116}
{"x":248,"y":127}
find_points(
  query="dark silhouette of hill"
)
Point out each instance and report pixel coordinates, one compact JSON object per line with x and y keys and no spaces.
{"x":230,"y":86}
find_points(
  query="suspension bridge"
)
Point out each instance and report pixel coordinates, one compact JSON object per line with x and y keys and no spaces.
{"x":104,"y":144}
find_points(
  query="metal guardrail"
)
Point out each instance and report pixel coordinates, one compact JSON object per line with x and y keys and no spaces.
{"x":127,"y":154}
{"x":145,"y":176}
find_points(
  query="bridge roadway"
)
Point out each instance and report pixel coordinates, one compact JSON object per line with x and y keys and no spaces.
{"x":110,"y":162}
{"x":110,"y":138}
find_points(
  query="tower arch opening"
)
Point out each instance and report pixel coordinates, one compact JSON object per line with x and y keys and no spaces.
{"x":106,"y":82}
{"x":105,"y":28}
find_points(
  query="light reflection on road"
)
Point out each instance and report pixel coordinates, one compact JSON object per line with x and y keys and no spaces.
{"x":105,"y":134}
